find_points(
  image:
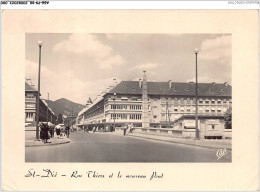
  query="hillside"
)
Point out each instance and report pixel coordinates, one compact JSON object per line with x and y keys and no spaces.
{"x":65,"y":106}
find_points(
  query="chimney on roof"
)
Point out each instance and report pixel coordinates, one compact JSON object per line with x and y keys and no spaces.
{"x":170,"y":84}
{"x":213,"y":83}
{"x":191,"y":82}
{"x":140,"y":83}
{"x":226,"y":84}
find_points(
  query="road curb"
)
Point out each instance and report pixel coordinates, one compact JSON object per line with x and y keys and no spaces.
{"x":65,"y":142}
{"x":195,"y":145}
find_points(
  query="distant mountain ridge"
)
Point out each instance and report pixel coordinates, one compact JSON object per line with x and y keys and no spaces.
{"x":65,"y":107}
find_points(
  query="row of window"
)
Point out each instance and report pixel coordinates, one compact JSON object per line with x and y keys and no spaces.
{"x":175,"y":109}
{"x":213,"y":102}
{"x":131,"y":107}
{"x":200,"y":109}
{"x":118,"y":106}
{"x":135,"y":107}
{"x":189,"y":99}
{"x":29,"y":115}
{"x":182,"y":108}
{"x":118,"y":116}
{"x":135,"y":116}
{"x":30,"y":106}
{"x":29,"y":96}
{"x":124,"y":116}
{"x":207,"y":101}
{"x":203,"y":102}
{"x":125,"y":98}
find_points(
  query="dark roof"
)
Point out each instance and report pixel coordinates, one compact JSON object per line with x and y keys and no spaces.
{"x":204,"y":116}
{"x":28,"y":87}
{"x":181,"y":89}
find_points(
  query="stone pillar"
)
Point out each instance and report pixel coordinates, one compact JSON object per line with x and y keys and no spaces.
{"x":34,"y":119}
{"x":145,"y":117}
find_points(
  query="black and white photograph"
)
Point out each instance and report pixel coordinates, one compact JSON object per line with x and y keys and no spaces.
{"x":128,"y":97}
{"x":144,"y":99}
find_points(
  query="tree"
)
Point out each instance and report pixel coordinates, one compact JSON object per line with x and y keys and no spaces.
{"x":228,"y":118}
{"x":60,"y":118}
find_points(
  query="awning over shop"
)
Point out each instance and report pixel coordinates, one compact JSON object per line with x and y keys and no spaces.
{"x":189,"y":127}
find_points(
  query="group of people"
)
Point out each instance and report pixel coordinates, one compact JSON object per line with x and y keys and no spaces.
{"x":60,"y":131}
{"x":48,"y":129}
{"x":96,"y":128}
{"x":128,"y":128}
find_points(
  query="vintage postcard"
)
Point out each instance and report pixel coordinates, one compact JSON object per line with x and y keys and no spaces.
{"x":141,"y":102}
{"x":115,"y":100}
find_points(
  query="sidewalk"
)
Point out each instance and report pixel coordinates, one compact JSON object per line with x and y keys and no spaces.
{"x":31,"y":142}
{"x":53,"y":141}
{"x":215,"y":144}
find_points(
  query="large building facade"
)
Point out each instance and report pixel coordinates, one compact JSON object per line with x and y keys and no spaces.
{"x":166,"y":103}
{"x":31,"y":104}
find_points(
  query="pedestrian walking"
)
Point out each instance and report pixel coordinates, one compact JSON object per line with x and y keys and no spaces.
{"x":94,"y":129}
{"x":51,"y":129}
{"x":67,"y":131}
{"x":114,"y":128}
{"x":41,"y":131}
{"x":124,"y":129}
{"x":45,"y":132}
{"x":58,"y":130}
{"x":130,"y":128}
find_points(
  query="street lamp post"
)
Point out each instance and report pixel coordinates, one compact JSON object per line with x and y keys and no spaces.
{"x":38,"y":95}
{"x":197,"y":137}
{"x":114,"y":99}
{"x":47,"y":108}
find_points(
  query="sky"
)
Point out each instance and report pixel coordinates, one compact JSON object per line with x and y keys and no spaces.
{"x":76,"y":66}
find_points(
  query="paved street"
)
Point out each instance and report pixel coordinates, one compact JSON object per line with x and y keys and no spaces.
{"x":111,"y":147}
